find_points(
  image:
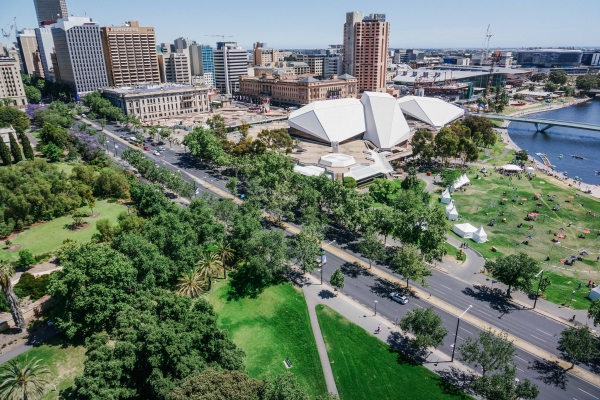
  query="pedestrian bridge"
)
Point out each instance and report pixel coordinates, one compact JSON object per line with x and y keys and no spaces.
{"x":542,"y":125}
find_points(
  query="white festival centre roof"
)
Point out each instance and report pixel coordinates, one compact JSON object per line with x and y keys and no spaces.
{"x":386,"y":125}
{"x":430,"y":110}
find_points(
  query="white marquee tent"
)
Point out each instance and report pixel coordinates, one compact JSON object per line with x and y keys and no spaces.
{"x":530,"y":170}
{"x":446,"y":198}
{"x":452,"y":213}
{"x":480,"y":236}
{"x":511,"y":167}
{"x":435,"y":112}
{"x":464,"y":230}
{"x":461,"y":181}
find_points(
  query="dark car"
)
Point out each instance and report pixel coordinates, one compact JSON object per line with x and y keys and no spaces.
{"x":154,"y":144}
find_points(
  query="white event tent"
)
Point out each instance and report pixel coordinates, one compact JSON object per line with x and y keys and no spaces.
{"x":451,"y":212}
{"x":511,"y":167}
{"x":464,"y":230}
{"x":461,"y":181}
{"x":480,"y":236}
{"x":446,"y":198}
{"x":435,"y":112}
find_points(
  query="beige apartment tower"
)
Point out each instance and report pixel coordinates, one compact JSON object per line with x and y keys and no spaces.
{"x":11,"y":84}
{"x":366,"y":42}
{"x":130,"y":54}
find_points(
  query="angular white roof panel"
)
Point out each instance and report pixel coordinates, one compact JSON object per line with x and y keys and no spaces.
{"x":432,"y":111}
{"x":386,"y":125}
{"x":330,"y":120}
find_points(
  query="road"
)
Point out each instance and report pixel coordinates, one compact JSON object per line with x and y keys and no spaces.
{"x":525,"y":324}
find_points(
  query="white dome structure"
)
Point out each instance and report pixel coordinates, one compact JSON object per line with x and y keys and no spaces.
{"x":330,"y":120}
{"x":430,"y":110}
{"x":386,"y":125}
{"x":376,"y":115}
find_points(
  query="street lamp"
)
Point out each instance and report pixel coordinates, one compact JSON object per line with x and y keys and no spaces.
{"x":456,"y":334}
{"x":375,"y":307}
{"x":537,"y":292}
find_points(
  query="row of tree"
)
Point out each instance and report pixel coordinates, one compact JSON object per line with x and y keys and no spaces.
{"x":14,"y":152}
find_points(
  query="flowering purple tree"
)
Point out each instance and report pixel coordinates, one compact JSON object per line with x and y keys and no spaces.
{"x":32,"y":108}
{"x":87,"y":145}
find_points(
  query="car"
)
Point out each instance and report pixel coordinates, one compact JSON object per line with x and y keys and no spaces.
{"x":161,"y":148}
{"x":154,"y":144}
{"x":156,"y":153}
{"x":146,"y":148}
{"x":398,"y":298}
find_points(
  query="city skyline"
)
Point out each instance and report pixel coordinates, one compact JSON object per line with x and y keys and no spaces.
{"x":414,"y":25}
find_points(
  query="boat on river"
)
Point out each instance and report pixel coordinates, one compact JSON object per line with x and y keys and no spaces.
{"x":544,"y":158}
{"x":577,"y":157}
{"x":560,"y":156}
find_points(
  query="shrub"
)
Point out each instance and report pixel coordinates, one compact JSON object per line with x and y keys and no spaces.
{"x":26,"y":259}
{"x":31,"y":286}
{"x":349,"y":182}
{"x":42,"y":257}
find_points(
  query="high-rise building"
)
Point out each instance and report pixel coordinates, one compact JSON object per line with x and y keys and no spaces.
{"x":30,"y":53}
{"x":180,"y":44}
{"x":202,"y":62}
{"x":231,"y":62}
{"x":46,"y":48}
{"x":130,"y":54}
{"x":366,"y":42}
{"x":175,"y":67}
{"x":332,"y":65}
{"x":11,"y":84}
{"x":314,"y":61}
{"x":79,"y":54}
{"x":262,"y":56}
{"x":50,"y":11}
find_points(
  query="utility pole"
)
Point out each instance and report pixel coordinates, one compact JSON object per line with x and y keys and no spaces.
{"x":225,"y":66}
{"x":456,"y":334}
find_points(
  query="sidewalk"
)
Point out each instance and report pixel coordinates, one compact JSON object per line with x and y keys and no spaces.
{"x":316,"y":293}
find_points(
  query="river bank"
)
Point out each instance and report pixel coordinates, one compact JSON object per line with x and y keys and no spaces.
{"x":591,"y":189}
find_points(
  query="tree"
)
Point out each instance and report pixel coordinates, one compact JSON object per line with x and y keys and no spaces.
{"x":231,"y":185}
{"x":409,"y":263}
{"x":411,"y":181}
{"x":218,"y":385}
{"x":521,"y":155}
{"x":550,"y":87}
{"x":54,"y":134}
{"x":6,"y":272}
{"x":14,"y":148}
{"x":490,"y":350}
{"x":217,"y":125}
{"x":371,"y":247}
{"x":276,"y":139}
{"x":539,"y":77}
{"x":518,"y":271}
{"x":503,"y":386}
{"x":349,"y":182}
{"x":587,"y":82}
{"x":306,"y":247}
{"x":26,"y":259}
{"x":10,"y":116}
{"x":579,"y":344}
{"x":337,"y":280}
{"x":545,"y":284}
{"x":226,"y":254}
{"x":52,"y":152}
{"x":284,"y":387}
{"x":106,"y":230}
{"x":449,"y":176}
{"x":26,"y":145}
{"x":209,"y":265}
{"x":33,"y":94}
{"x":569,"y":90}
{"x":78,"y":217}
{"x":23,"y":379}
{"x":467,"y":150}
{"x":422,"y":144}
{"x":426,"y":326}
{"x":446,"y":144}
{"x":482,"y":130}
{"x":558,"y":76}
{"x":594,"y":312}
{"x":244,"y":128}
{"x":190,"y":284}
{"x":382,"y":189}
{"x":5,"y":153}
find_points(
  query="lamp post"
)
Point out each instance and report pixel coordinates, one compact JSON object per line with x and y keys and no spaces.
{"x":456,"y":334}
{"x":537,"y":292}
{"x":375,"y":307}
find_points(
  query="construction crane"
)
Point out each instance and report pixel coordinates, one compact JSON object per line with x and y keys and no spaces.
{"x":10,"y":29}
{"x":225,"y":69}
{"x":486,"y":41}
{"x":495,"y":58}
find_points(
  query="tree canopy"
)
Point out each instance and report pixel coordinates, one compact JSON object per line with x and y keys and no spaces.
{"x":516,"y":270}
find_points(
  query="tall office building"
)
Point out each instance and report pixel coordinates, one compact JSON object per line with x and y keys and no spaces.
{"x":180,"y":44}
{"x":175,"y":67}
{"x":11,"y":84}
{"x":46,"y":48}
{"x":30,"y":54}
{"x":231,"y":62}
{"x":130,"y":54}
{"x":50,"y":11}
{"x":202,"y":62}
{"x":79,"y":55}
{"x":332,"y":65}
{"x":261,"y":55}
{"x":366,"y":41}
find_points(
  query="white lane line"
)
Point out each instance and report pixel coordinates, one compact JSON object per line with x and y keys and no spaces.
{"x":466,"y":330}
{"x":545,"y":333}
{"x":539,"y":339}
{"x":445,"y":287}
{"x":483,"y":312}
{"x":418,"y":305}
{"x":588,"y":393}
{"x":521,"y":359}
{"x":438,"y":291}
{"x":520,"y":369}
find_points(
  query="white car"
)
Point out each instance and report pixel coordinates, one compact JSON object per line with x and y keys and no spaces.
{"x":398,"y":298}
{"x":156,"y":153}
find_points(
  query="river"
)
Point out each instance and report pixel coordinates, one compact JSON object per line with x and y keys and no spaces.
{"x":565,"y":141}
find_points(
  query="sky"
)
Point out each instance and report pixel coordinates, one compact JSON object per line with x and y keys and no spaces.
{"x":317,"y":23}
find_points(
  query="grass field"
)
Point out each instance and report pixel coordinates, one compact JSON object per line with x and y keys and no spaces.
{"x":562,"y":288}
{"x":64,"y":361}
{"x":49,"y":236}
{"x":365,"y":368}
{"x":271,"y":328}
{"x":66,"y":168}
{"x":496,"y":162}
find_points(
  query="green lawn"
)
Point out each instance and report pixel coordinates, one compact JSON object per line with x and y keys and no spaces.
{"x":64,"y":361}
{"x":271,"y":328}
{"x":562,"y":288}
{"x":365,"y":368}
{"x":502,"y":160}
{"x":452,"y":252}
{"x":498,"y":148}
{"x":49,"y":236}
{"x":67,"y":168}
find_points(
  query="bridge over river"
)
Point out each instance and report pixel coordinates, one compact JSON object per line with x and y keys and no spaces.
{"x":542,"y":125}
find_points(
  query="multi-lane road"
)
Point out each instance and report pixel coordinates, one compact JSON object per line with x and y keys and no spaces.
{"x":366,"y":288}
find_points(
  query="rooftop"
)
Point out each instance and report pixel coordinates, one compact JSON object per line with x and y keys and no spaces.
{"x":152,"y":88}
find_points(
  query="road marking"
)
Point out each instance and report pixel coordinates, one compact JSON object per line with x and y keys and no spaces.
{"x":520,"y":369}
{"x":438,"y":291}
{"x":521,"y":359}
{"x":539,"y":339}
{"x":483,"y":312}
{"x":466,"y":330}
{"x":587,"y":393}
{"x":445,"y":287}
{"x":545,"y":333}
{"x":418,"y":305}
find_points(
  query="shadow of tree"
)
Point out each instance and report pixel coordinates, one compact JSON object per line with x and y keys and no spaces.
{"x":326,"y":294}
{"x":454,"y":381}
{"x":550,"y":374}
{"x":406,"y":354}
{"x":383,"y":288}
{"x":354,"y":270}
{"x":496,"y":302}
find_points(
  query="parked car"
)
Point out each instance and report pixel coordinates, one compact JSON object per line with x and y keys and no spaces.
{"x":398,"y":298}
{"x":154,"y":144}
{"x":156,"y":153}
{"x":146,"y":148}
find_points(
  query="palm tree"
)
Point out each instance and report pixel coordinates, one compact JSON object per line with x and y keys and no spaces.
{"x":20,"y":379}
{"x":6,"y":272}
{"x":190,"y":284}
{"x":209,"y":265}
{"x":226,"y":254}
